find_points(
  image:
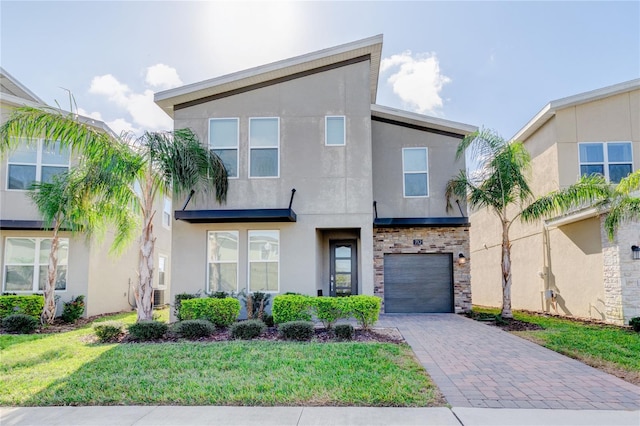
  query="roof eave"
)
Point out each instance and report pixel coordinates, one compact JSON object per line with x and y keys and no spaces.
{"x":422,"y":120}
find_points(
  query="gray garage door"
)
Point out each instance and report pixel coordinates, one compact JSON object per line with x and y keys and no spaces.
{"x":418,"y":282}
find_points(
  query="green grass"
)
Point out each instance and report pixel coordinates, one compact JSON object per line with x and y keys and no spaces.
{"x":67,"y":369}
{"x":597,"y":344}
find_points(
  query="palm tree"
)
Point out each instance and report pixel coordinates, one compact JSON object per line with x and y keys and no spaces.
{"x":161,"y":162}
{"x":500,"y":184}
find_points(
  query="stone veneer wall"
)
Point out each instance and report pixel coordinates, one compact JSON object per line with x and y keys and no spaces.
{"x":621,"y":273}
{"x":435,"y":240}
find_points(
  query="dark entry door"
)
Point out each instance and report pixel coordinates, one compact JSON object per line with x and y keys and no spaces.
{"x":344,"y":268}
{"x":418,"y":282}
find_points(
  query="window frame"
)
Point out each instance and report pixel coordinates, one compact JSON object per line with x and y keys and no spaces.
{"x":36,"y":265}
{"x":249,"y":261}
{"x":167,"y":224}
{"x":605,"y":158}
{"x":344,"y":130}
{"x":165,"y":271}
{"x":404,"y":172}
{"x":207,"y":287}
{"x":38,"y":164}
{"x":276,"y":147}
{"x":237,"y":145}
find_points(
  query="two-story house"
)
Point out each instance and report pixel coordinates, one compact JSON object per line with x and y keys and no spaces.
{"x":567,"y":265}
{"x":329,"y":193}
{"x":106,"y":281}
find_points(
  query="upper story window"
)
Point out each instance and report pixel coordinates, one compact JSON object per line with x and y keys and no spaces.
{"x":166,"y":212}
{"x":35,"y":161}
{"x":264,"y":258}
{"x":415,"y":172}
{"x":223,"y":140}
{"x":26,"y":264}
{"x":222,"y":249}
{"x":264,"y":147}
{"x":613,"y":160}
{"x":163,"y":263}
{"x":334,"y":130}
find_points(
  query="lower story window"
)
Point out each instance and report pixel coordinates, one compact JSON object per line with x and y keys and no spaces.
{"x":163,"y":262}
{"x":264,"y":255}
{"x":222,"y":249}
{"x":26,"y":264}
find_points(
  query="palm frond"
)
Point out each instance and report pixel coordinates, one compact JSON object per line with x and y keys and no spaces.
{"x":622,"y":210}
{"x":629,"y":184}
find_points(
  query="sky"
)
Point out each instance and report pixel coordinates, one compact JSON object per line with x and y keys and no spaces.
{"x":489,"y":64}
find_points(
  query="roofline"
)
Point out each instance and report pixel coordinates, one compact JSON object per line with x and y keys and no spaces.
{"x":21,"y":86}
{"x":552,"y":107}
{"x":371,"y":46}
{"x":420,"y":120}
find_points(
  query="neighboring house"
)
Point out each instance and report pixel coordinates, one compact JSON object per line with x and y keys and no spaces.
{"x":368,"y":216}
{"x":566,"y":265}
{"x":106,"y":281}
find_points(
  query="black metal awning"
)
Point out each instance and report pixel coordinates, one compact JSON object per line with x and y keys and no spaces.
{"x":22,"y":225}
{"x":405,"y":222}
{"x":235,"y":216}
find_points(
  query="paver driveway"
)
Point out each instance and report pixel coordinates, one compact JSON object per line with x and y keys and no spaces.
{"x":477,"y":365}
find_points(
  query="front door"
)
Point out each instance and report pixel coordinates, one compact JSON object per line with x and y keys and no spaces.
{"x":344,"y":268}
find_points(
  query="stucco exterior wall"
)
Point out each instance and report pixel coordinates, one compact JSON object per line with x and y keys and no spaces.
{"x":333,"y":183}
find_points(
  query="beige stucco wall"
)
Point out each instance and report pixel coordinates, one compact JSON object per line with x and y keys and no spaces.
{"x":568,"y":259}
{"x":388,"y":141}
{"x":333,"y":183}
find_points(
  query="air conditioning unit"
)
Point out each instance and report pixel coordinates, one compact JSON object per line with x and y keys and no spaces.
{"x":158,"y":298}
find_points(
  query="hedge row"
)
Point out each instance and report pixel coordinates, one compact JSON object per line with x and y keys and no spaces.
{"x":221,"y":312}
{"x":31,"y":305}
{"x":297,"y":307}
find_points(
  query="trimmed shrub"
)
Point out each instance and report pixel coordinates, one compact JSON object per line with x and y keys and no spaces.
{"x":255,"y":304}
{"x":291,"y":307}
{"x":330,"y":309}
{"x":31,"y":305}
{"x":268,"y":320}
{"x":248,"y":329}
{"x":108,"y":331}
{"x":296,"y":330}
{"x":365,"y":309}
{"x":177,"y":303}
{"x":221,"y":312}
{"x":344,"y":332}
{"x":193,"y":329}
{"x":219,"y":295}
{"x":73,"y":309}
{"x":635,"y":324}
{"x":147,"y":330}
{"x":20,"y":323}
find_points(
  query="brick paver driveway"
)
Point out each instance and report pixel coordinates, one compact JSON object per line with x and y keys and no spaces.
{"x":477,"y":365}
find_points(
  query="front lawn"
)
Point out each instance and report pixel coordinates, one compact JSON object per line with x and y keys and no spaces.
{"x":68,"y":369}
{"x":615,"y":350}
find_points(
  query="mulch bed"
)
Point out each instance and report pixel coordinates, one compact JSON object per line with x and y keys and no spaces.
{"x":504,"y":324}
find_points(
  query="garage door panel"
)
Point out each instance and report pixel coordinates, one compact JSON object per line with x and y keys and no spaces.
{"x":418,"y":282}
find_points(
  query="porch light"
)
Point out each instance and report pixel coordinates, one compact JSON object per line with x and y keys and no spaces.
{"x":635,"y":250}
{"x":462,"y":260}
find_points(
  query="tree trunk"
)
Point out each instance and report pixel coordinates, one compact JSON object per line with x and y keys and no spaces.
{"x":506,"y":272}
{"x":49,"y":310}
{"x":144,"y":293}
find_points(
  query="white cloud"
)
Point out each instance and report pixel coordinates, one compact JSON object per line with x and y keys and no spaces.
{"x":417,"y":80}
{"x":143,"y":112}
{"x":163,"y":77}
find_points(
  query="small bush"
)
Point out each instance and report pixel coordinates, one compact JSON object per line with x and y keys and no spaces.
{"x":365,"y":309}
{"x":256,"y":303}
{"x":28,"y":305}
{"x":193,"y":329}
{"x":221,"y":312}
{"x":268,"y":320}
{"x":219,"y":295}
{"x":635,"y":324}
{"x":73,"y":309}
{"x":177,"y":303}
{"x":248,"y":329}
{"x":330,"y":309}
{"x":291,"y":307}
{"x":296,"y":330}
{"x":20,"y":323}
{"x":108,"y":331}
{"x":344,"y":331}
{"x":147,"y":330}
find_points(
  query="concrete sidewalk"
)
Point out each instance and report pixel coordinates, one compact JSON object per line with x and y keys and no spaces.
{"x":299,"y":416}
